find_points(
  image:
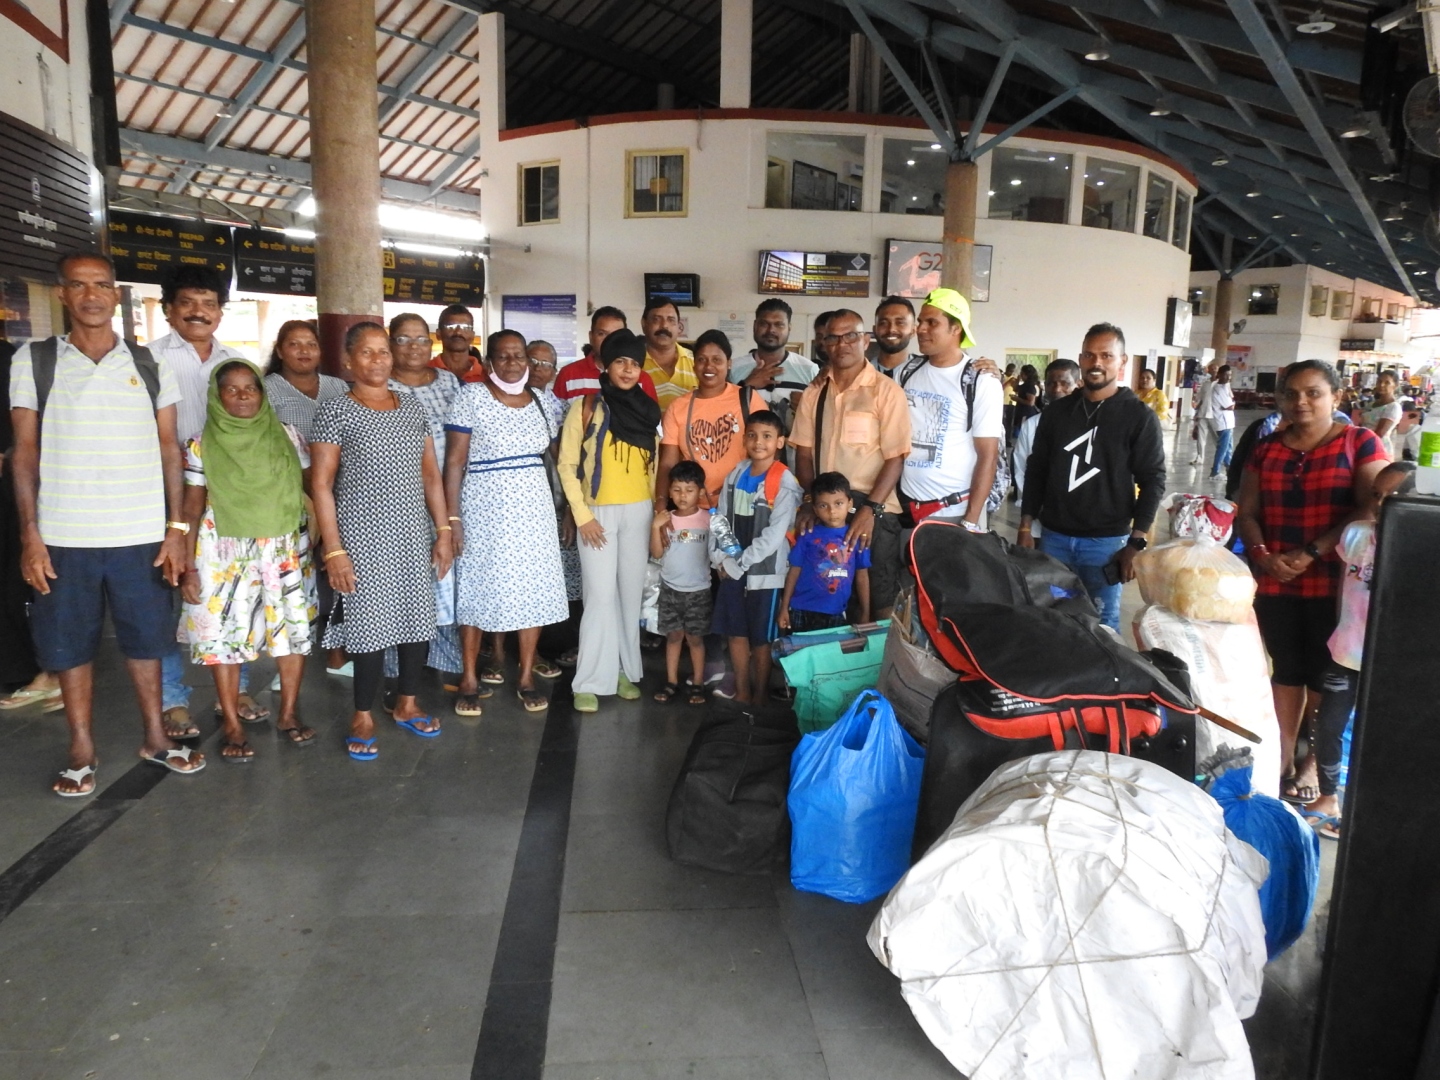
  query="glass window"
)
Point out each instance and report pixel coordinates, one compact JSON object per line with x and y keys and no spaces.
{"x":1200,"y":298}
{"x":1111,"y":191}
{"x":1157,"y":206}
{"x":813,"y":171}
{"x":1029,"y":185}
{"x":1394,"y":313}
{"x":912,"y":177}
{"x":539,"y":193}
{"x":1370,"y":309}
{"x":657,"y":183}
{"x":1264,"y":300}
{"x":1319,"y":301}
{"x":1340,"y":303}
{"x":1180,"y":231}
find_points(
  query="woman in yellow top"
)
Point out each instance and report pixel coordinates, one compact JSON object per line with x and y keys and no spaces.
{"x":1153,"y":396}
{"x":607,"y":468}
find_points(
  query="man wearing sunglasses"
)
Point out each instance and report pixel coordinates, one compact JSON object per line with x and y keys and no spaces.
{"x":854,"y":421}
{"x":457,"y":339}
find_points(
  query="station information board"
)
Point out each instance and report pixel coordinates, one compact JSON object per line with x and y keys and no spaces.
{"x":267,"y":261}
{"x":147,"y":248}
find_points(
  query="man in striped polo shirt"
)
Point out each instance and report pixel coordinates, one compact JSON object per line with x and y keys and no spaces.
{"x":92,"y":487}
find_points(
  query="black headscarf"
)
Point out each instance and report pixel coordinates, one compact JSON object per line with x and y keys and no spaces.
{"x":634,"y":415}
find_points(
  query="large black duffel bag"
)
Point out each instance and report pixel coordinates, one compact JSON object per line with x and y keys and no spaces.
{"x":727,"y":809}
{"x":950,"y":562}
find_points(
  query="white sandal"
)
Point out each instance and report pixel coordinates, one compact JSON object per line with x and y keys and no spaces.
{"x":78,"y":777}
{"x":166,"y":757}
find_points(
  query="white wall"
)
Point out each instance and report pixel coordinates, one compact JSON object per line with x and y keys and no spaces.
{"x":36,"y":84}
{"x":1049,"y":282}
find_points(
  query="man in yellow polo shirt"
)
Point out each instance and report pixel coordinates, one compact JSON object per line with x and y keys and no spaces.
{"x":668,"y":363}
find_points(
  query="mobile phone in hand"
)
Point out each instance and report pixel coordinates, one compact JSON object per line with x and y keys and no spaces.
{"x":1111,"y":570}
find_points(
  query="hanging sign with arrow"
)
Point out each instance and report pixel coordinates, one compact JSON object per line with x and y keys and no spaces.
{"x":271,"y":262}
{"x":147,"y":248}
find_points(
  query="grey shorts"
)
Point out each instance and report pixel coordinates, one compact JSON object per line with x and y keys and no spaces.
{"x":687,"y":611}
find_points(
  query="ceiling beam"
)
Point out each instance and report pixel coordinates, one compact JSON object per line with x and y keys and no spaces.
{"x":428,"y":65}
{"x":260,"y":78}
{"x":901,"y":76}
{"x":1255,"y":27}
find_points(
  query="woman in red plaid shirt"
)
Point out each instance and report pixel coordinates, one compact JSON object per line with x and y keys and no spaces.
{"x":1301,"y":487}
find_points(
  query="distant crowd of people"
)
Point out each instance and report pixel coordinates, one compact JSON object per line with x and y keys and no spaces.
{"x":222,"y":512}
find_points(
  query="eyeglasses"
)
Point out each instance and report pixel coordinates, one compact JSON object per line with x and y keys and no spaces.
{"x":831,"y":340}
{"x":542,"y":364}
{"x":451,"y":327}
{"x":421,"y":340}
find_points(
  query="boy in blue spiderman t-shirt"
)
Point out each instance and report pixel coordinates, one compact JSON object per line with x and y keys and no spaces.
{"x":822,"y":569}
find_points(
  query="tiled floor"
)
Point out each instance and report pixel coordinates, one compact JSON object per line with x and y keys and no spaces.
{"x":310,"y":916}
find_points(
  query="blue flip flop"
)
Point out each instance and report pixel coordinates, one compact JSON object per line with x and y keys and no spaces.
{"x":370,"y":753}
{"x":1318,"y":821}
{"x":412,"y":726}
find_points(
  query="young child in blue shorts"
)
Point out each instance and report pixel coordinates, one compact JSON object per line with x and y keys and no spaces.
{"x":759,"y":499}
{"x":823,"y":570}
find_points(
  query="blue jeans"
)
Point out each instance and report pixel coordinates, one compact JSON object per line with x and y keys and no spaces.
{"x":1223,"y":439}
{"x":1088,"y":556}
{"x":174,"y":693}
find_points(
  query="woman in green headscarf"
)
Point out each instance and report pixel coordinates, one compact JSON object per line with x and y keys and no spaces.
{"x":252,"y":588}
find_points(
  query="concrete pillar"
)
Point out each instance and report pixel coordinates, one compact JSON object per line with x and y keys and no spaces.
{"x":344,"y":169}
{"x":737,"y":23}
{"x":490,"y":48}
{"x":665,"y":96}
{"x":958,"y":271}
{"x":1220,"y":328}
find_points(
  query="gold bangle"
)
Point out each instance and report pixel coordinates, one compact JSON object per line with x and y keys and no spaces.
{"x":443,"y":528}
{"x":454,"y":519}
{"x":332,"y":554}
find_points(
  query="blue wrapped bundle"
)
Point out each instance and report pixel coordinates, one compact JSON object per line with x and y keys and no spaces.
{"x":1274,"y":829}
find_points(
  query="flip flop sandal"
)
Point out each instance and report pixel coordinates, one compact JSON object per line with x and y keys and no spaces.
{"x":245,"y":704}
{"x":1298,"y":795}
{"x":58,"y":705}
{"x":21,"y":698}
{"x":1326,"y":825}
{"x":77,"y":777}
{"x":181,"y":730}
{"x":669,"y":692}
{"x":413,"y":726}
{"x":533,"y":700}
{"x":370,"y":753}
{"x":468,"y":705}
{"x":244,"y":757}
{"x":492,"y":676}
{"x":300,"y":735}
{"x":545,"y":669}
{"x":568,"y":658}
{"x":166,"y":760}
{"x":696,"y":694}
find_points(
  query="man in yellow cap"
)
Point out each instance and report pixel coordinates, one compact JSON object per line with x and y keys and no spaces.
{"x":957,"y":425}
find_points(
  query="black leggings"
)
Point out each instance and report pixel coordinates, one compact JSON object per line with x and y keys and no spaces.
{"x":1340,"y":686}
{"x":370,"y":672}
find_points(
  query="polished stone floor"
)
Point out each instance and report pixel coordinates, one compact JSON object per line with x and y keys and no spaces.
{"x":306,"y":915}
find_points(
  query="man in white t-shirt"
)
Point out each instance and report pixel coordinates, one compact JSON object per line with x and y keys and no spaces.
{"x":1221,"y":420}
{"x":954,"y":454}
{"x":774,"y":374}
{"x":1200,"y":402}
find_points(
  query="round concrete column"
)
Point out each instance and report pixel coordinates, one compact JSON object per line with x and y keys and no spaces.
{"x":344,"y":168}
{"x":958,"y":270}
{"x":1220,"y":326}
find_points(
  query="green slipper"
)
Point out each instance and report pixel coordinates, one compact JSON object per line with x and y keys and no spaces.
{"x":587,"y":703}
{"x":627,"y":690}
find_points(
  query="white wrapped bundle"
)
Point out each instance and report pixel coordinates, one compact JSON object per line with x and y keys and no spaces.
{"x":1198,"y":579}
{"x":1087,"y":916}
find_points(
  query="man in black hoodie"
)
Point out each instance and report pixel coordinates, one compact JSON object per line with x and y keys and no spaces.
{"x":1091,"y":451}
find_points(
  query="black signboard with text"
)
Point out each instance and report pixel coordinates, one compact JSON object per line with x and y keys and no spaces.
{"x":46,"y":201}
{"x":147,"y":248}
{"x":271,"y":262}
{"x":422,"y":278}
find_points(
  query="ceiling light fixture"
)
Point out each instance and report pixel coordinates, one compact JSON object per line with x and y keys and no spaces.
{"x":1318,"y":23}
{"x":1159,"y":110}
{"x":935,"y":146}
{"x":1221,"y":161}
{"x":223,"y":113}
{"x":1252,"y":194}
{"x":1099,"y":51}
{"x":1276,"y":217}
{"x":1358,"y":129}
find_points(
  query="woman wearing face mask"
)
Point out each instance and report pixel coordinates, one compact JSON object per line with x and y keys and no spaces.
{"x":293,"y":382}
{"x":380,"y":499}
{"x":252,"y":588}
{"x":508,"y":573}
{"x":607,"y":465}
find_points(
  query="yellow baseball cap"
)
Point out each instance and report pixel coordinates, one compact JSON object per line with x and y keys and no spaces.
{"x":957,"y":307}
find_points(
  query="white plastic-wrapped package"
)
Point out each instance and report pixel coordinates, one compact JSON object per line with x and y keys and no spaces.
{"x":1229,"y":675}
{"x":1087,"y":917}
{"x":1197,"y":578}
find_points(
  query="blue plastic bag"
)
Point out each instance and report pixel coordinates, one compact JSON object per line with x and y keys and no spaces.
{"x":1280,"y":834}
{"x":854,"y":791}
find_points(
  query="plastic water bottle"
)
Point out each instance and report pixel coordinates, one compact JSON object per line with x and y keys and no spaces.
{"x":725,"y":538}
{"x":1427,"y":474}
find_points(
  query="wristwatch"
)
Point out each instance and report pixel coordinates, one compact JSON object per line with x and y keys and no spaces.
{"x":1313,"y":551}
{"x":1139,"y":543}
{"x":879,"y":508}
{"x":178,"y":526}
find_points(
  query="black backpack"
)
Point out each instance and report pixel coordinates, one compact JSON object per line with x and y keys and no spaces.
{"x":968,"y":378}
{"x":45,"y":354}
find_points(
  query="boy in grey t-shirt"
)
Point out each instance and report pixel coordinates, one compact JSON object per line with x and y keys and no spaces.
{"x":680,"y":539}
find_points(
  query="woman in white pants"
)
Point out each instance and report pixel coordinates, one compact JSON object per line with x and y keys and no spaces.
{"x":607,"y":468}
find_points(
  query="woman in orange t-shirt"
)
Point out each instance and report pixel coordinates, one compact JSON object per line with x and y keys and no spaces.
{"x":707,"y":425}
